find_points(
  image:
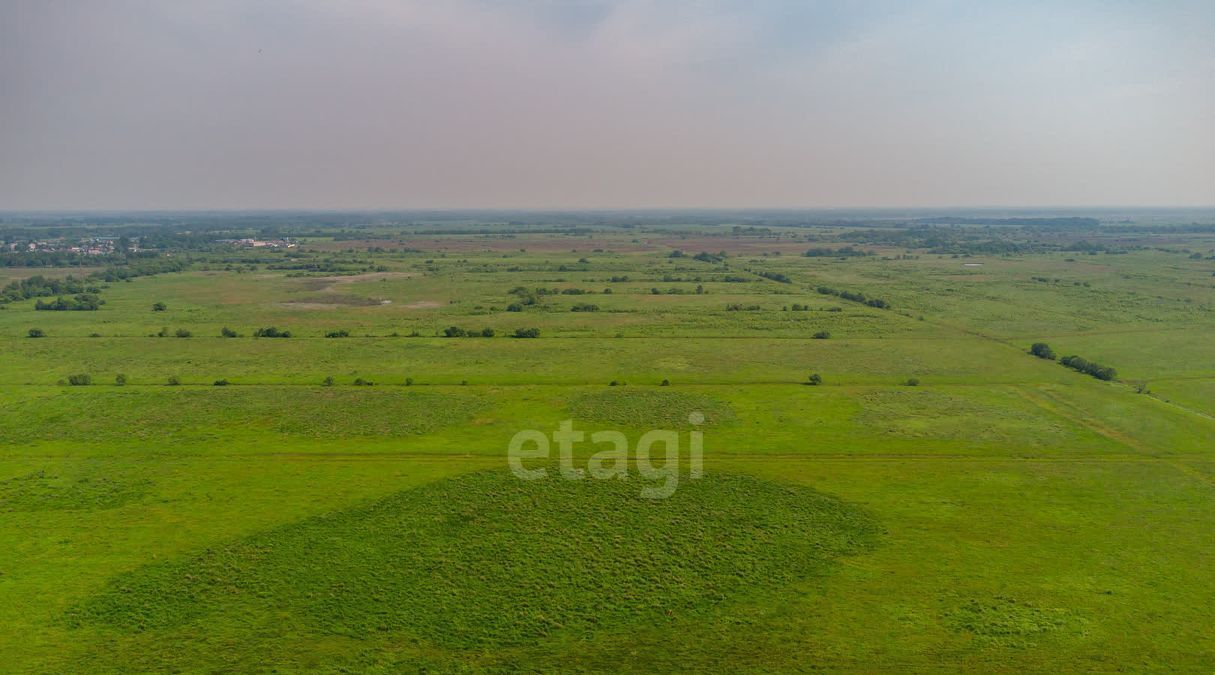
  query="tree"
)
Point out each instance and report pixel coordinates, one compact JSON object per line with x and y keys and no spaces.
{"x":159,"y":307}
{"x":815,"y":379}
{"x":1042,"y":351}
{"x":37,"y":333}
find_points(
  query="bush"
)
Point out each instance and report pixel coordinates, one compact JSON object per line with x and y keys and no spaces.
{"x":36,"y":333}
{"x":271,"y":332}
{"x":338,"y":333}
{"x":174,"y":380}
{"x":120,"y":380}
{"x":228,"y":332}
{"x":514,"y":307}
{"x":159,"y":307}
{"x":527,"y":332}
{"x":409,"y":382}
{"x":1042,"y":351}
{"x":822,"y":335}
{"x":454,"y":331}
{"x":666,"y":383}
{"x":584,"y":307}
{"x":815,"y":379}
{"x":360,"y":382}
{"x":183,"y":333}
{"x":82,"y":302}
{"x":912,"y":382}
{"x":327,"y":382}
{"x":487,"y":332}
{"x":221,"y":383}
{"x":80,"y":380}
{"x":1089,"y":368}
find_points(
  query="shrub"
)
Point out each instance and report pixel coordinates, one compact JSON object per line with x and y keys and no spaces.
{"x":409,"y":382}
{"x":183,"y":333}
{"x":120,"y":380}
{"x":815,"y":379}
{"x":527,"y":332}
{"x":912,"y":382}
{"x":174,"y":380}
{"x":1042,"y":351}
{"x":514,"y":307}
{"x":822,"y":335}
{"x":360,"y":382}
{"x":271,"y":332}
{"x":228,"y":332}
{"x":327,"y":382}
{"x":159,"y":307}
{"x":584,"y":307}
{"x":666,"y":383}
{"x":36,"y":333}
{"x":1089,"y":368}
{"x":221,"y":383}
{"x":487,"y":332}
{"x":80,"y":380}
{"x":454,"y":331}
{"x":338,"y":333}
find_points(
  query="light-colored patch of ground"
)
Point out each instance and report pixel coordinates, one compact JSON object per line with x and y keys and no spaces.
{"x":309,"y":305}
{"x":369,"y":276}
{"x":424,"y":304}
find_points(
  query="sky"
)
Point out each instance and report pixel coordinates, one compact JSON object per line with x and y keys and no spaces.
{"x":369,"y":104}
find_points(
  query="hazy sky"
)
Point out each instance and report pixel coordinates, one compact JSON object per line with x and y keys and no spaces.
{"x":452,"y":103}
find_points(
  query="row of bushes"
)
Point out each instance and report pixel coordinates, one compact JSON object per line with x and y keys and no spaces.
{"x":854,"y":297}
{"x":1043,"y":351}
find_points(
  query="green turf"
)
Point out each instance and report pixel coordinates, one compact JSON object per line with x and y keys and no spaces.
{"x":1005,"y":514}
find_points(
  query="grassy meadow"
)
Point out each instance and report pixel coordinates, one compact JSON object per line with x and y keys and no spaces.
{"x":942,"y":500}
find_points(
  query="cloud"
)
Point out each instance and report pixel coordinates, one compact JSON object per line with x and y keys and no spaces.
{"x":379,"y":103}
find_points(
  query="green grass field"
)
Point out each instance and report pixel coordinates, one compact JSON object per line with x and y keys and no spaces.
{"x":1005,"y":513}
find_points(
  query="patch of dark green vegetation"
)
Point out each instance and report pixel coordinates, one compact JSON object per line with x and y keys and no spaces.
{"x":648,"y":408}
{"x":487,"y":560}
{"x":41,"y":491}
{"x":1089,"y":368}
{"x":1007,"y":622}
{"x":854,"y":296}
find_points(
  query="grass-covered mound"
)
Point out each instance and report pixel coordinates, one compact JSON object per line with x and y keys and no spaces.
{"x":651,"y":408}
{"x":488,"y":560}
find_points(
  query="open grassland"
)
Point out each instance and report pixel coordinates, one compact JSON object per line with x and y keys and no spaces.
{"x":941,"y":500}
